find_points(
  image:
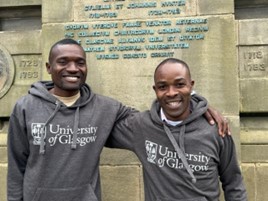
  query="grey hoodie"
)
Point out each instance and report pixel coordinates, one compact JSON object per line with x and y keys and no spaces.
{"x":167,"y":176}
{"x":54,"y":150}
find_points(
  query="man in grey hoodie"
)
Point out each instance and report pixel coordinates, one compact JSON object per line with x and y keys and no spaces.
{"x":182,"y":155}
{"x":58,"y":131}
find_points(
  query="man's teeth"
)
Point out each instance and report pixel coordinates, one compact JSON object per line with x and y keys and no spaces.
{"x":72,"y":78}
{"x":173,"y":103}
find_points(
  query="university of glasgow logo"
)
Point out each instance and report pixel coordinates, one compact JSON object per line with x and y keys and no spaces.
{"x":151,"y":150}
{"x":37,"y":130}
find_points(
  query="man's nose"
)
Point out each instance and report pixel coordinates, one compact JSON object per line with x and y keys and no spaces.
{"x":72,"y":67}
{"x":172,"y":91}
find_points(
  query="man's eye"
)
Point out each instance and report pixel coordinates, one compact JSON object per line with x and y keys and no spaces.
{"x":180,"y":85}
{"x":161,"y":87}
{"x":62,"y":62}
{"x":81,"y":63}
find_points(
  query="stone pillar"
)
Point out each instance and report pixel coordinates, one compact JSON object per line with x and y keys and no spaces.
{"x":252,"y":25}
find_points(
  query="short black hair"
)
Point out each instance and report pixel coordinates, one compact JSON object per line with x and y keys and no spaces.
{"x":172,"y":60}
{"x":65,"y":41}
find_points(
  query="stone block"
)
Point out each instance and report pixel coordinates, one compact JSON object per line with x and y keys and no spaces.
{"x":250,"y":11}
{"x":254,"y":95}
{"x":5,"y":3}
{"x":28,"y":69}
{"x":110,"y":10}
{"x":3,"y":139}
{"x":249,"y":176}
{"x":3,"y":148}
{"x":245,"y":3}
{"x":253,"y":68}
{"x":3,"y":181}
{"x":3,"y":154}
{"x":120,"y":183}
{"x":254,"y":130}
{"x":57,"y":11}
{"x":254,"y":153}
{"x":254,"y":122}
{"x":253,"y":62}
{"x":23,"y":66}
{"x":118,"y":157}
{"x":207,"y":7}
{"x":3,"y":130}
{"x":262,"y":181}
{"x":10,"y":99}
{"x":253,"y":32}
{"x":254,"y":137}
{"x":25,"y":42}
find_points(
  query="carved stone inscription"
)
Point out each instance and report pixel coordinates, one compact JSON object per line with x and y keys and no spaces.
{"x":138,"y":39}
{"x":253,"y":61}
{"x":6,"y":71}
{"x":153,"y":29}
{"x":154,"y":8}
{"x":129,"y":9}
{"x":28,"y":69}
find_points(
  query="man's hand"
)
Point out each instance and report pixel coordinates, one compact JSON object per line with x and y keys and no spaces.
{"x":213,"y":115}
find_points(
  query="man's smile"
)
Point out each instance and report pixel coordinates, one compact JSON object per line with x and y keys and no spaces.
{"x":71,"y":78}
{"x":174,"y":104}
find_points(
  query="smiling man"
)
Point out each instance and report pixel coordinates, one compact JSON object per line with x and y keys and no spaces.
{"x":173,"y":88}
{"x":182,"y":155}
{"x":57,"y":132}
{"x":68,"y":69}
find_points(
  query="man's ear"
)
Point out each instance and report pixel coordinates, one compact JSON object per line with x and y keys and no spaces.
{"x":154,"y":87}
{"x":48,"y":68}
{"x":192,"y":85}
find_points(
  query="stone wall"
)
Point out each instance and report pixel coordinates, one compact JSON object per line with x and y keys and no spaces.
{"x":224,"y":42}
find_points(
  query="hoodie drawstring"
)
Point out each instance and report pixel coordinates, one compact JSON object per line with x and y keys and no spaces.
{"x":76,"y":121}
{"x":181,"y":139}
{"x":42,"y":141}
{"x":179,"y":151}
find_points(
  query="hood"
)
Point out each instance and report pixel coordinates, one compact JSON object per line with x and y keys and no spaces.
{"x":41,"y":90}
{"x":198,"y":108}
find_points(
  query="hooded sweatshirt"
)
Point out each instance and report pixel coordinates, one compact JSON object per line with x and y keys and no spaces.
{"x":186,"y":166}
{"x":54,"y":150}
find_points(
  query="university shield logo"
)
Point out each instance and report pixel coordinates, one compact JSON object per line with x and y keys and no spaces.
{"x":151,"y":150}
{"x":37,"y":130}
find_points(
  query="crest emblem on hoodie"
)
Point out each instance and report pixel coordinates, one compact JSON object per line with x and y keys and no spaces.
{"x":151,"y":150}
{"x":37,"y":130}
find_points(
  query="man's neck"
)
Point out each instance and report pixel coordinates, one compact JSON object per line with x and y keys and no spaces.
{"x":170,"y":122}
{"x":70,"y":100}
